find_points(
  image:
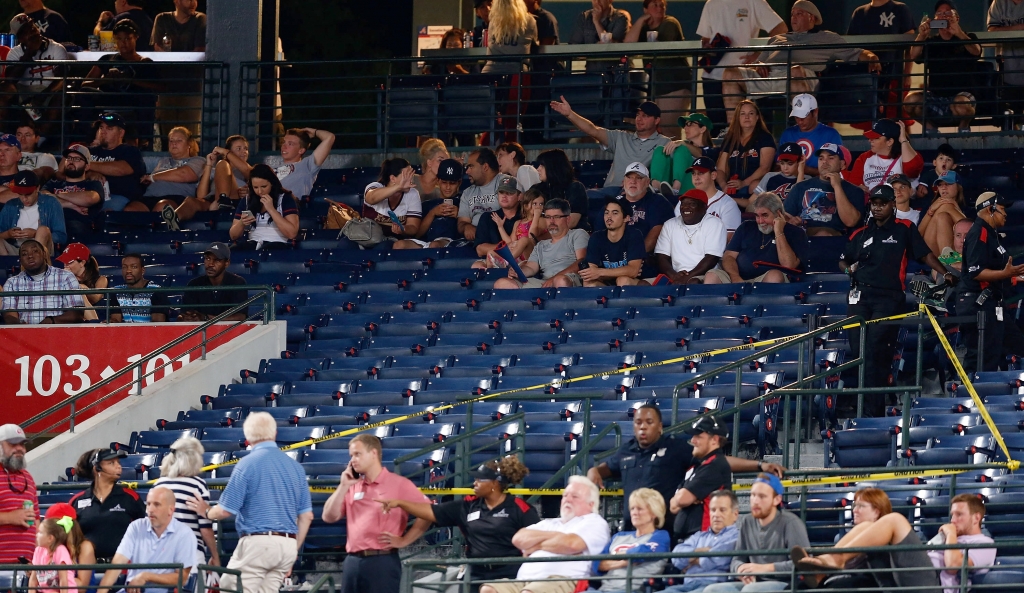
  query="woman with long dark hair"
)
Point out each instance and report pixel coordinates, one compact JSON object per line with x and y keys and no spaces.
{"x":554,"y":167}
{"x":78,"y":260}
{"x":748,"y":153}
{"x":269,"y":213}
{"x":392,"y":201}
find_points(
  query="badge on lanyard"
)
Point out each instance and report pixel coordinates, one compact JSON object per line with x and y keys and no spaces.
{"x":473,"y":516}
{"x":358,"y":496}
{"x":84,"y":503}
{"x":999,"y":313}
{"x":854,"y":296}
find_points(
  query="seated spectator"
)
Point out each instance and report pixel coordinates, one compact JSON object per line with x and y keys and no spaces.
{"x":945,"y":160}
{"x":120,"y":163}
{"x":768,"y":75}
{"x":692,"y":243}
{"x":952,"y":258}
{"x":207,"y":304}
{"x":452,"y":39}
{"x":704,"y":175}
{"x":509,"y":225}
{"x":10,"y":156}
{"x":808,"y":132}
{"x":392,"y":201}
{"x":748,"y":153}
{"x":670,"y":77}
{"x":790,"y":160}
{"x":173,"y":179}
{"x":37,"y":274}
{"x":439,"y":226}
{"x":904,"y":192}
{"x":949,"y":85}
{"x":512,"y":161}
{"x":580,"y":530}
{"x":512,"y":31}
{"x":50,"y":22}
{"x":229,"y":184}
{"x":298,"y":174}
{"x":767,"y":527}
{"x":750,"y":248}
{"x":554,"y":168}
{"x":647,"y":515}
{"x":966,"y":512}
{"x":78,"y":260}
{"x":268,"y":217}
{"x":720,"y":536}
{"x":157,"y":539}
{"x":432,"y":153}
{"x":890,"y":154}
{"x":1004,"y":16}
{"x":80,"y":549}
{"x":42,"y":163}
{"x":710,"y":472}
{"x":936,"y":224}
{"x":137,"y":307}
{"x":36,"y":89}
{"x":615,"y":256}
{"x":128,"y":9}
{"x":482,"y":196}
{"x":869,"y":504}
{"x":80,"y":197}
{"x":626,"y":147}
{"x":828,"y":205}
{"x":33,"y":215}
{"x":668,"y":167}
{"x":555,"y":260}
{"x":601,"y":24}
{"x":650,"y":210}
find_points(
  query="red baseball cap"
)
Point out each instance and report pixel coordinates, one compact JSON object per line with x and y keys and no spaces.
{"x":695,"y":194}
{"x":74,"y":252}
{"x":61,"y":509}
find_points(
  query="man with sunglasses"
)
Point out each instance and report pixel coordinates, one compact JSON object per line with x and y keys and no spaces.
{"x":987,"y":272}
{"x":19,"y":505}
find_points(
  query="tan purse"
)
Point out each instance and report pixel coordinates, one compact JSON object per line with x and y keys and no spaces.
{"x":339,"y":215}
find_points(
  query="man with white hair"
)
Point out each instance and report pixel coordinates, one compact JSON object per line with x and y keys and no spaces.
{"x":17,"y":520}
{"x":579,"y":531}
{"x":269,"y":498}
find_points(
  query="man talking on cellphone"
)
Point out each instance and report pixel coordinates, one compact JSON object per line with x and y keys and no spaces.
{"x":374,"y":535}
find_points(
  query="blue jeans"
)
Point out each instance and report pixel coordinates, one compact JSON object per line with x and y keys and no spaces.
{"x":735,"y":586}
{"x":116,"y":203}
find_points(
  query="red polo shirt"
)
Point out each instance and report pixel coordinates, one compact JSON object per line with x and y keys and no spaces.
{"x":365,"y":516}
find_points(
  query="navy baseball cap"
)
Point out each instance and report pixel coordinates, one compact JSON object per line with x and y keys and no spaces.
{"x":790,"y":151}
{"x":702,"y":164}
{"x":650,"y":108}
{"x":710,"y":425}
{"x":989,"y":198}
{"x":832,"y":148}
{"x":11,"y":140}
{"x":24,"y":182}
{"x":484,"y":473}
{"x":900,"y":178}
{"x":883,"y":192}
{"x":449,"y":170}
{"x":883,"y":127}
{"x":112,"y":119}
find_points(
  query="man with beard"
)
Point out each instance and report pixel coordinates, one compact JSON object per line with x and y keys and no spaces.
{"x":554,"y":262}
{"x":120,"y":163}
{"x":580,"y":530}
{"x":482,"y":196}
{"x":19,"y":505}
{"x":692,"y":243}
{"x":38,"y":275}
{"x":81,"y":198}
{"x":138,"y":307}
{"x":768,"y":239}
{"x":203,"y":305}
{"x":828,"y":205}
{"x":710,"y":472}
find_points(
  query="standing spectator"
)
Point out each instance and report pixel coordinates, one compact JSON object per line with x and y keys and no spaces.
{"x":790,"y":160}
{"x":554,"y":262}
{"x":554,"y":168}
{"x":174,"y":178}
{"x":392,"y":201}
{"x":452,"y":39}
{"x":32,"y":216}
{"x":268,"y":497}
{"x":120,"y":163}
{"x":159,"y":538}
{"x":79,"y":196}
{"x":709,"y":473}
{"x":482,"y":196}
{"x":137,"y":307}
{"x":948,"y":65}
{"x":439,"y":226}
{"x":650,"y":210}
{"x":182,"y":29}
{"x":626,"y":147}
{"x":547,"y":24}
{"x":37,"y":274}
{"x":80,"y":549}
{"x":720,"y":536}
{"x":828,"y":205}
{"x":298,"y":174}
{"x":78,"y":260}
{"x":886,"y":17}
{"x":374,"y":534}
{"x":512,"y":31}
{"x":50,"y":22}
{"x":504,"y":223}
{"x":808,"y":132}
{"x":10,"y":156}
{"x":703,"y":176}
{"x":35,"y":88}
{"x":787,"y":246}
{"x":1005,"y":16}
{"x":19,"y":504}
{"x":731,"y":23}
{"x":512,"y":161}
{"x":945,"y":211}
{"x":647,"y":514}
{"x":207,"y":304}
{"x":51,"y":550}
{"x":601,"y":24}
{"x":482,"y":10}
{"x":42,"y":163}
{"x":132,"y":10}
{"x":692,"y":243}
{"x":668,"y":167}
{"x":748,"y":153}
{"x":105,"y":509}
{"x":615,"y":255}
{"x":890,"y":154}
{"x":268,"y":214}
{"x":671,"y":78}
{"x":432,"y":152}
{"x":179,"y":473}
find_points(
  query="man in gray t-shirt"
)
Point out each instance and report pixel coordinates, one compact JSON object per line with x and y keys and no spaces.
{"x":298,"y":174}
{"x":160,"y":187}
{"x":482,"y":196}
{"x":554,"y":262}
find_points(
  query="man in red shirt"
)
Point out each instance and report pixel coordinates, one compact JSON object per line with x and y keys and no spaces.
{"x":19,"y":506}
{"x":374,"y":534}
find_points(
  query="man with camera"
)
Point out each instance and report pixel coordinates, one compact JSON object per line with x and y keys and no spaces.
{"x":987,"y":271}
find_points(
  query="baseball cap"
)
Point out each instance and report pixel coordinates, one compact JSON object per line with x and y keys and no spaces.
{"x":78,"y":149}
{"x":10,"y":139}
{"x":830,"y":147}
{"x":710,"y":425}
{"x":638,"y":168}
{"x":698,"y":118}
{"x":948,"y":177}
{"x":219,"y":250}
{"x":989,"y":198}
{"x":703,"y":164}
{"x":12,"y":433}
{"x":112,"y":119}
{"x":773,"y":481}
{"x":61,"y":509}
{"x":449,"y":170}
{"x":808,"y":6}
{"x":508,"y":185}
{"x":74,"y":252}
{"x":125,"y":25}
{"x":899,"y":178}
{"x":803,"y":104}
{"x":650,"y":108}
{"x":847,"y":157}
{"x":790,"y":151}
{"x":106,"y":455}
{"x":627,"y":207}
{"x":695,"y":194}
{"x":479,"y":3}
{"x":20,"y":21}
{"x":24,"y":182}
{"x":883,"y":192}
{"x":883,"y":127}
{"x":484,"y":473}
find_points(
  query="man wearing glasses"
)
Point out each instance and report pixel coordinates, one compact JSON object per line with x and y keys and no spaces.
{"x":555,"y":261}
{"x":81,"y":198}
{"x":19,"y":506}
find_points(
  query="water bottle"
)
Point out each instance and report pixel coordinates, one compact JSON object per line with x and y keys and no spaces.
{"x":28,"y":505}
{"x":483,"y":39}
{"x":467,"y":39}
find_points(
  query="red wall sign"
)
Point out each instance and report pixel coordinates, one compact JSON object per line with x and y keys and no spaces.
{"x":41,"y":365}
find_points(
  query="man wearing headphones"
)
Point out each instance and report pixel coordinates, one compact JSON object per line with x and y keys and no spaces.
{"x":987,"y":270}
{"x":105,"y":509}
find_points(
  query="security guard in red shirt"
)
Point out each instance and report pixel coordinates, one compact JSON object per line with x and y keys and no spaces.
{"x":987,"y":271}
{"x":876,"y":259}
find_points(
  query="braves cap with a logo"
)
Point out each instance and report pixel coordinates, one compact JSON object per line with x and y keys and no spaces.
{"x":637,"y":168}
{"x":803,"y":105}
{"x":883,"y":192}
{"x":790,"y":151}
{"x":449,"y":170}
{"x":831,"y":148}
{"x":10,"y":140}
{"x":883,"y":127}
{"x":79,"y":149}
{"x":702,"y":164}
{"x":24,"y":182}
{"x":710,"y":425}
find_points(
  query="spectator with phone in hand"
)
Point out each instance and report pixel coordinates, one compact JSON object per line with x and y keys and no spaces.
{"x":28,"y":81}
{"x":225,"y":176}
{"x":268,"y":217}
{"x":393,"y":202}
{"x":439,"y":226}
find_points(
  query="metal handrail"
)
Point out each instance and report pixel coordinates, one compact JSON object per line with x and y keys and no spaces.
{"x":220,"y":570}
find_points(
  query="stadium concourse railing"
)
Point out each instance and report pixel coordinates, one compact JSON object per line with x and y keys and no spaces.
{"x":386,"y":104}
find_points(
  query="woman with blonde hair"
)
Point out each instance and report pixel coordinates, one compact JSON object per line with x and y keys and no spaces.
{"x":511,"y":31}
{"x":647,"y":513}
{"x":432,"y":152}
{"x":174,"y":177}
{"x":179,"y":473}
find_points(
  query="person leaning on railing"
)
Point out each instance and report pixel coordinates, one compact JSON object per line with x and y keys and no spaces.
{"x":205,"y":304}
{"x":38,"y":275}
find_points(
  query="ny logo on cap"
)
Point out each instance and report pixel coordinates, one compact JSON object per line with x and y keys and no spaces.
{"x":451,"y":170}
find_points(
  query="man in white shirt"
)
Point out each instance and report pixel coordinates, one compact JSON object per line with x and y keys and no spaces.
{"x":28,"y":80}
{"x":692,"y":243}
{"x":704,"y":174}
{"x":579,"y":531}
{"x":42,"y":163}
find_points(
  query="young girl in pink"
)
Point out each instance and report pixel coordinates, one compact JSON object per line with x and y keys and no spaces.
{"x":531,"y":209}
{"x":51,"y":551}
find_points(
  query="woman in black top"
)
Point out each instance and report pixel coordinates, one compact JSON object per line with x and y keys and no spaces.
{"x":105,"y":510}
{"x":488,"y":519}
{"x":748,"y":153}
{"x":554,"y":167}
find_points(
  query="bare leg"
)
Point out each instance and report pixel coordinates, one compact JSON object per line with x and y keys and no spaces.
{"x":136,"y":207}
{"x":560,"y":281}
{"x":712,"y":278}
{"x":190,"y":207}
{"x":673,"y":105}
{"x":406,"y":244}
{"x":912,"y":104}
{"x":963,"y":108}
{"x":801,"y":80}
{"x":774,"y":277}
{"x":889,"y":530}
{"x":160,"y":205}
{"x":505,"y":284}
{"x":45,"y":238}
{"x":623,"y":281}
{"x":224,"y":181}
{"x":734,"y":90}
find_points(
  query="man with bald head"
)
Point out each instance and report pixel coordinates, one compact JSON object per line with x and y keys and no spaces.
{"x":158,"y":538}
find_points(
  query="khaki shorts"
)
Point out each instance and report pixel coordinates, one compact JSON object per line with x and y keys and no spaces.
{"x":505,"y":586}
{"x":724,"y":276}
{"x":773,"y":84}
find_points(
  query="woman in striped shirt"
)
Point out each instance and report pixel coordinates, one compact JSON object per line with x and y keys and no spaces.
{"x":179,"y":472}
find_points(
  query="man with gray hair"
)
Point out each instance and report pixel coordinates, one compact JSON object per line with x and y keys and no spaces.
{"x":581,"y":530}
{"x":760,"y":248}
{"x":19,"y":505}
{"x":269,"y":498}
{"x":555,"y":260}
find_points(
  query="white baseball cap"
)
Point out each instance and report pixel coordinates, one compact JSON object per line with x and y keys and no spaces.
{"x":802,"y":105}
{"x":637,"y":168}
{"x":12,"y":433}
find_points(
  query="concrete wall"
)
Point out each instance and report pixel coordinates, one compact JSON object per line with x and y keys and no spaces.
{"x":163,"y":399}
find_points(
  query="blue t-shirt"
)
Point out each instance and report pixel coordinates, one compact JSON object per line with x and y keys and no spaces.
{"x":604,"y":254}
{"x":811,"y":141}
{"x":123,"y":185}
{"x":814,"y":201}
{"x":752,"y":245}
{"x":139,"y":307}
{"x":443,"y":227}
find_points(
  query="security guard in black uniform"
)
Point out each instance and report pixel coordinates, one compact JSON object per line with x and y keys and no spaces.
{"x":987,"y":270}
{"x":876,"y":259}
